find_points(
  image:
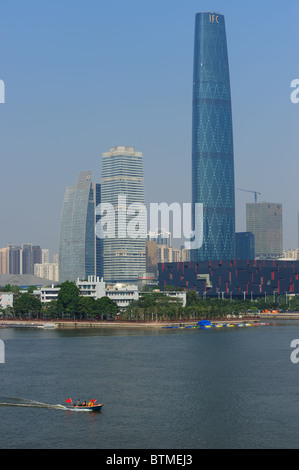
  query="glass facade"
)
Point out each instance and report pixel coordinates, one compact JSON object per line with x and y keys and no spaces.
{"x":245,"y":246}
{"x":264,"y":220}
{"x":98,"y":241}
{"x":212,"y":140}
{"x":77,"y":242}
{"x":122,"y":184}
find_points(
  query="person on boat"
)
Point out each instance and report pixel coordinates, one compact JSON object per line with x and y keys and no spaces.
{"x":79,"y":403}
{"x":84,"y":403}
{"x":91,"y":403}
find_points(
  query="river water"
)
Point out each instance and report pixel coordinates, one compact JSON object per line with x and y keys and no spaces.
{"x":224,"y":388}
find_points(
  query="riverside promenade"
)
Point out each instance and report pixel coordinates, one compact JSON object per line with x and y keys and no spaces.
{"x":77,"y":324}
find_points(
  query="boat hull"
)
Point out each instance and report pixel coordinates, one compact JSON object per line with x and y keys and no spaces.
{"x":88,"y":408}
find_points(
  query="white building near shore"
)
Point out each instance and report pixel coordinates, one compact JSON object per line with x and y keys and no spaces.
{"x":121,"y":294}
{"x":47,"y":294}
{"x":95,"y":287}
{"x":6,"y":299}
{"x":92,"y":287}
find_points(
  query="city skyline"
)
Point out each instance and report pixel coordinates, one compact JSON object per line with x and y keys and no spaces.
{"x":65,"y":103}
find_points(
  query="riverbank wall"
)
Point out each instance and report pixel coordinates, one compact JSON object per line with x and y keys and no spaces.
{"x":69,"y":324}
{"x":79,"y":324}
{"x":280,"y":316}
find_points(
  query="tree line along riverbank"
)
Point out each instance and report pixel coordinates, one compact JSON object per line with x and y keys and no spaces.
{"x":152,"y":307}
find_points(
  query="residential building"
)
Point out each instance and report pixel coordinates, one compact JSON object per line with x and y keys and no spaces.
{"x":161,"y":236}
{"x":15,"y":260}
{"x":212,"y":141}
{"x":162,"y":253}
{"x":291,"y":254}
{"x":47,"y":270}
{"x":4,"y":260}
{"x":151,"y":257}
{"x":30,"y":255}
{"x":19,"y":259}
{"x":45,"y":256}
{"x":167,"y":254}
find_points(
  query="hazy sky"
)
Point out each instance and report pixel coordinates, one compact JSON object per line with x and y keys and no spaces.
{"x":84,"y":76}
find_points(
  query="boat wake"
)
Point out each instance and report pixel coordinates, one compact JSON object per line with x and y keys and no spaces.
{"x":21,"y":402}
{"x":29,"y":404}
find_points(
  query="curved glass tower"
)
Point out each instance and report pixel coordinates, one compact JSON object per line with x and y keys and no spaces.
{"x":77,"y":241}
{"x":212,"y":140}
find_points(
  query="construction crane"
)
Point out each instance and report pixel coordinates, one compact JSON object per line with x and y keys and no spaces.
{"x":249,"y":191}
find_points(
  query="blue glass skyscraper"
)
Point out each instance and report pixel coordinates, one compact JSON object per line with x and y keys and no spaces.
{"x":212,"y":140}
{"x":78,"y":246}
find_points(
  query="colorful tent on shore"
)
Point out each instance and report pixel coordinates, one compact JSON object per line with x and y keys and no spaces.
{"x":204,"y":323}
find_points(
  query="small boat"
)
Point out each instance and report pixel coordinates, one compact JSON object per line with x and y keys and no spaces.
{"x":96,"y":407}
{"x":49,"y":325}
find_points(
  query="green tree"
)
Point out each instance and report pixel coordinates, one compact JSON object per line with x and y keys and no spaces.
{"x":11,"y":288}
{"x":31,"y":289}
{"x":50,"y":309}
{"x":86,"y":307}
{"x":106,"y":308}
{"x":169,"y":287}
{"x":68,"y":298}
{"x":154,"y":306}
{"x":192,"y":298}
{"x":27,"y":305}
